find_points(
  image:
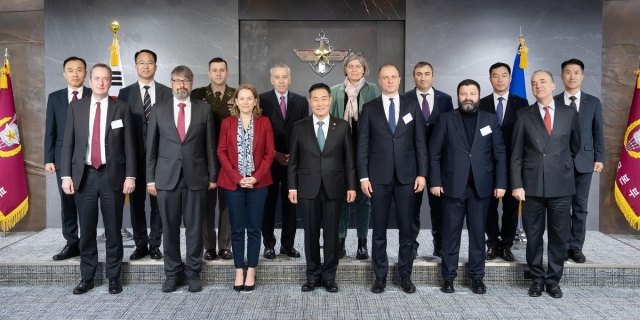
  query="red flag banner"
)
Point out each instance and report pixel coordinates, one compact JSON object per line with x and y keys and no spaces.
{"x":627,"y":188}
{"x":14,"y":198}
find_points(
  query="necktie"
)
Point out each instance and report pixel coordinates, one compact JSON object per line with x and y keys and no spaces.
{"x":283,"y":107}
{"x":146,"y":103}
{"x":75,"y":96}
{"x":218,"y":95}
{"x":96,"y":157}
{"x":573,"y":103}
{"x":425,"y":106}
{"x":320,"y":135}
{"x":547,"y":120}
{"x":500,"y":111}
{"x":392,"y":116}
{"x":181,"y":121}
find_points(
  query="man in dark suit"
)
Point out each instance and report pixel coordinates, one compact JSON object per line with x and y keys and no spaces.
{"x":591,"y":156}
{"x":392,"y":166}
{"x":505,"y":106}
{"x":181,"y":167}
{"x":546,"y":140}
{"x":467,"y":163}
{"x":218,"y":95}
{"x":321,"y":142}
{"x":99,"y":165}
{"x":74,"y":70}
{"x":141,"y":97}
{"x":432,"y":103}
{"x":283,"y":108}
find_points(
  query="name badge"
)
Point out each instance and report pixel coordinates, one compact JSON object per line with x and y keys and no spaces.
{"x":407,"y":118}
{"x":116,"y":124}
{"x":485,"y":131}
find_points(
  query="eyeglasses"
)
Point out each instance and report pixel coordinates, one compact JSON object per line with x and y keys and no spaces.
{"x":180,"y":81}
{"x":148,"y":63}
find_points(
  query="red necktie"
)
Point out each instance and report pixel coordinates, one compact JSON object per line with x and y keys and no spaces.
{"x":75,"y":96}
{"x":96,"y":157}
{"x":547,"y":120}
{"x":181,"y":121}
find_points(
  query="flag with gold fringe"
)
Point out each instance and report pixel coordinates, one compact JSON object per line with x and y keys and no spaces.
{"x":14,"y":197}
{"x":517,"y":85}
{"x":627,"y":185}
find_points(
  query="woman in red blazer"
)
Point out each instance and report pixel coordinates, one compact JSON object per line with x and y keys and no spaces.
{"x":245,"y":151}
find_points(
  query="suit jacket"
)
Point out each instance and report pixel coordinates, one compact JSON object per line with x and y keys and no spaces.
{"x":263,"y":152}
{"x":120,"y":145}
{"x":297,"y":109}
{"x":441,"y":103}
{"x":381,"y":152}
{"x":57,"y":105}
{"x":543,"y":164}
{"x":131,"y":95}
{"x":333,"y":167}
{"x":451,"y":156}
{"x":591,"y":132}
{"x":368,"y":92}
{"x":167,"y":155}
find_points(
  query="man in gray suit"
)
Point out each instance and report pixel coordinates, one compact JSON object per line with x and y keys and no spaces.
{"x":142,"y":96}
{"x":590,"y":158}
{"x":181,"y":167}
{"x":546,"y":140}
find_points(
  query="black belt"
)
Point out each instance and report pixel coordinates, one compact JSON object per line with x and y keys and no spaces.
{"x":100,"y":168}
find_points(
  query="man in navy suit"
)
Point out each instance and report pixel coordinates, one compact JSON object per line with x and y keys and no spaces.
{"x":432,"y":102}
{"x":392,"y":165}
{"x":142,"y":96}
{"x":505,"y":106}
{"x":467,"y":163}
{"x":591,"y":156}
{"x":74,"y":70}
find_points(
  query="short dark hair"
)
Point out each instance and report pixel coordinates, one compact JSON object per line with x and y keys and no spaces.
{"x":422,"y":64}
{"x":388,"y":65}
{"x":468,"y":82}
{"x":499,"y":65}
{"x":218,"y":59}
{"x":74,"y":58}
{"x":155,"y":57}
{"x":101,"y":65}
{"x":573,"y":61}
{"x":319,"y":86}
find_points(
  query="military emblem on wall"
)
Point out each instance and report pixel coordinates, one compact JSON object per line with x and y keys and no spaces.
{"x":322,"y":59}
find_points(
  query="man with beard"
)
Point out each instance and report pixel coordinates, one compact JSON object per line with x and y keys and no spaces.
{"x":181,"y":167}
{"x":467,"y":161}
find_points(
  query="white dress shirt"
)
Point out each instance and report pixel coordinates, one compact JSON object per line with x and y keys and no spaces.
{"x":104,"y":106}
{"x":71,"y":90}
{"x":286,"y":98}
{"x":430,"y":98}
{"x":396,"y":103}
{"x":552,"y":111}
{"x":152,"y":91}
{"x":567,"y":101}
{"x":504,"y":103}
{"x":187,"y":113}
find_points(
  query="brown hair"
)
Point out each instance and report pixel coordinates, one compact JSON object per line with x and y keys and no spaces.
{"x":235,"y":110}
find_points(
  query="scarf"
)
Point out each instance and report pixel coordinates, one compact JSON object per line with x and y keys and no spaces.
{"x":351,"y":110}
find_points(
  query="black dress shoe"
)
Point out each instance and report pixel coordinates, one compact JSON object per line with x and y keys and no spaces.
{"x":269,"y":253}
{"x":492,"y":253}
{"x":478,"y":287}
{"x":578,"y":256}
{"x":436,"y":252}
{"x":210,"y":254}
{"x":155,"y":253}
{"x":310,"y":285}
{"x":67,"y":252}
{"x":362,"y":253}
{"x":330,"y":286}
{"x":553,"y":290}
{"x":291,"y":252}
{"x":172,"y":283}
{"x":407,"y":286}
{"x":567,"y":253}
{"x":506,"y":254}
{"x":115,"y":286}
{"x":536,"y":289}
{"x":342,"y":252}
{"x":195,"y":285}
{"x":447,"y":286}
{"x":415,"y":254}
{"x":83,"y":287}
{"x":378,"y":285}
{"x":139,"y":253}
{"x":225,"y":254}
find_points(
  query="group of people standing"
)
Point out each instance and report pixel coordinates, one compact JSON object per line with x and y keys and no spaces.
{"x":351,"y":145}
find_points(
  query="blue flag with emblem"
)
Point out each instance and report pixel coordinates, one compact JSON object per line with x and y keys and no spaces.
{"x":517,"y":86}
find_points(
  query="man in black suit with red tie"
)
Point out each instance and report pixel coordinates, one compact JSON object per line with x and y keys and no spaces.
{"x":432,"y":103}
{"x":392,"y":166}
{"x":283,"y":108}
{"x":322,"y":172}
{"x":98,"y":165}
{"x":74,"y":70}
{"x":505,"y":106}
{"x":142,"y":96}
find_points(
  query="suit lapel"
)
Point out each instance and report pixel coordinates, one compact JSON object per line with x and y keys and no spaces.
{"x":436,"y":108}
{"x":84,"y":113}
{"x":290,"y":104}
{"x":538,"y":122}
{"x":457,"y":120}
{"x":159,"y":92}
{"x":194,"y":117}
{"x":111,"y":111}
{"x":557,"y":123}
{"x":382,"y":116}
{"x":340,"y":101}
{"x":364,"y":94}
{"x":475,"y":134}
{"x":508,"y":112}
{"x":312,"y":134}
{"x":401,"y":114}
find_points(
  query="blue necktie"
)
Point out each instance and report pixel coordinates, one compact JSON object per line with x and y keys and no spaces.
{"x":392,"y":116}
{"x":500,"y":111}
{"x":320,"y":135}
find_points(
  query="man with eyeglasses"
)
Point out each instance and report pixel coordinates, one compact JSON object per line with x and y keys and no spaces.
{"x":142,"y":96}
{"x":218,"y":95}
